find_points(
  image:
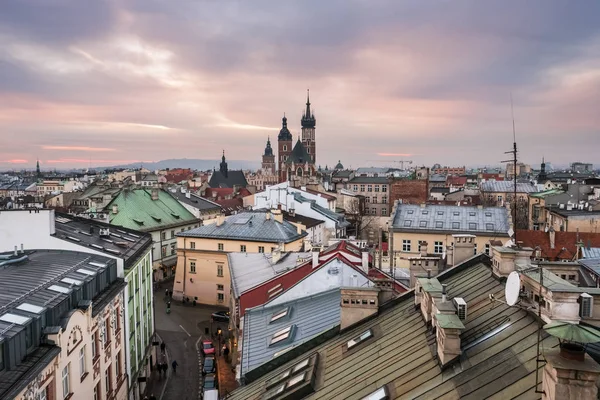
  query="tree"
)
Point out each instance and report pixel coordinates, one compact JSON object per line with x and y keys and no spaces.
{"x":357,"y":215}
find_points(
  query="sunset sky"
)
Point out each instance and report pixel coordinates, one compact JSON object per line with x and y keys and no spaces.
{"x":112,"y":82}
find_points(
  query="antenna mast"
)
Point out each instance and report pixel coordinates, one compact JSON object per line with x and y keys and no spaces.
{"x":514,"y":161}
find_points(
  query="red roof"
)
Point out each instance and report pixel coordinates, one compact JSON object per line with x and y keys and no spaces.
{"x":379,"y":274}
{"x":565,"y":243}
{"x":497,"y":177}
{"x":456,"y":180}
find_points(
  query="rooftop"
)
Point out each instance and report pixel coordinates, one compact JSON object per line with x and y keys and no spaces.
{"x":249,"y":270}
{"x":565,"y":243}
{"x":590,"y":252}
{"x":508,"y":186}
{"x":233,"y":178}
{"x":555,"y":283}
{"x":118,"y":242}
{"x":308,"y":222}
{"x":307,"y":317}
{"x":545,"y":193}
{"x":498,"y":345}
{"x":137,"y":210}
{"x":195,"y":201}
{"x":451,"y":219}
{"x":369,"y":179}
{"x":249,"y":226}
{"x":574,"y":212}
{"x":339,"y":218}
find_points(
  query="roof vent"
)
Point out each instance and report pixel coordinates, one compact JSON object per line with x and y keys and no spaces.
{"x":104,"y":232}
{"x":461,"y":308}
{"x":585,"y":305}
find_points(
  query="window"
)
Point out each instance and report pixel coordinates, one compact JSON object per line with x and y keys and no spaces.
{"x":163,"y":235}
{"x":118,"y":365}
{"x":220,"y":297}
{"x":42,"y":394}
{"x":438,"y":247}
{"x":261,"y":249}
{"x":456,"y":213}
{"x":362,"y":188}
{"x":475,"y":249}
{"x":107,"y":380}
{"x":456,"y":225}
{"x":367,"y":199}
{"x":163,"y":251}
{"x":172,"y":248}
{"x":94,"y":345}
{"x":193,"y":267}
{"x":440,"y":213}
{"x":369,"y":188}
{"x":489,"y":227}
{"x":1,"y":356}
{"x":373,"y":211}
{"x":439,"y":224}
{"x":487,"y":249}
{"x":384,"y":199}
{"x":405,"y":244}
{"x":473,"y":226}
{"x":488,"y":214}
{"x":220,"y":246}
{"x":384,"y":188}
{"x":243,"y":248}
{"x":193,"y":245}
{"x":173,"y":234}
{"x":219,"y":269}
{"x":82,"y":370}
{"x":499,"y":198}
{"x":571,"y":277}
{"x":281,"y":335}
{"x":66,"y":381}
{"x":277,"y":316}
{"x":407,"y":223}
{"x":383,"y":212}
{"x":361,"y":338}
{"x":410,"y":211}
{"x":377,"y":188}
{"x":471,"y":213}
{"x":284,"y":147}
{"x":97,"y":395}
{"x":107,"y":332}
{"x":220,"y":287}
{"x":423,"y":224}
{"x":380,"y":394}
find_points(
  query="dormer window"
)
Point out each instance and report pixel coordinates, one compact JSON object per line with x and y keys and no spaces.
{"x":281,"y":314}
{"x":361,"y":338}
{"x":282,"y":335}
{"x":380,"y":394}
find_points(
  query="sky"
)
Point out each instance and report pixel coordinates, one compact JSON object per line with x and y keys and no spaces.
{"x":110,"y":82}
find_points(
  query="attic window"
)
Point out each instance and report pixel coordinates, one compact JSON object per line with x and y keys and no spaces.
{"x":425,"y":212}
{"x":281,"y":335}
{"x":280,"y":314}
{"x":357,"y":340}
{"x":456,"y":213}
{"x":471,"y":213}
{"x":407,"y":224}
{"x":489,"y":227}
{"x":380,"y":394}
{"x":410,"y":211}
{"x":488,"y":214}
{"x":157,"y":219}
{"x":32,"y":308}
{"x":423,"y":224}
{"x":175,"y":215}
{"x":71,"y":281}
{"x":473,"y":226}
{"x":456,"y":225}
{"x":440,"y":213}
{"x":439,"y":224}
{"x":138,"y":221}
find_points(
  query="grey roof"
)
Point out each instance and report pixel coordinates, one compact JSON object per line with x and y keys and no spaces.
{"x":444,"y":218}
{"x":218,"y":180}
{"x":249,"y":270}
{"x":575,"y":212}
{"x":556,"y":284}
{"x":508,"y":186}
{"x":249,"y":226}
{"x":592,"y":264}
{"x":13,"y":381}
{"x":299,"y":154}
{"x":308,"y":316}
{"x":591,"y":252}
{"x":195,"y":201}
{"x":124,"y":243}
{"x":342,"y":174}
{"x":437,"y":178}
{"x":308,"y":222}
{"x":498,"y":350}
{"x":372,"y":170}
{"x":339,"y":218}
{"x":440,"y":190}
{"x":369,"y":179}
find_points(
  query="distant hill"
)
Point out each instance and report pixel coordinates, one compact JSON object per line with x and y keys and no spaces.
{"x":192,"y":163}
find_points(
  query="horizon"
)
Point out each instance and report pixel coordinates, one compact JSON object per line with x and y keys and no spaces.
{"x":107,"y":83}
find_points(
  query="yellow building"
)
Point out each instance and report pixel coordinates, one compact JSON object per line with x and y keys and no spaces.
{"x":411,"y":225}
{"x":573,"y":218}
{"x":202,"y":273}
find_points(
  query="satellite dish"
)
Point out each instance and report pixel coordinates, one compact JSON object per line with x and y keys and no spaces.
{"x":512,"y":289}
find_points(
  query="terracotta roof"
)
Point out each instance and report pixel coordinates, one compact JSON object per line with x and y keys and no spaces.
{"x":456,"y":180}
{"x":565,"y":243}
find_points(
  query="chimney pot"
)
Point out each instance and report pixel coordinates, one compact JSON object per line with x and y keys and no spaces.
{"x":115,"y":209}
{"x":22,"y":250}
{"x":16,"y":251}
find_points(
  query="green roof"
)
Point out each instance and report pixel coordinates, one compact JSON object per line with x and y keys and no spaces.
{"x":137,"y":210}
{"x":555,"y":283}
{"x":430,"y":284}
{"x":449,"y":321}
{"x":545,"y":193}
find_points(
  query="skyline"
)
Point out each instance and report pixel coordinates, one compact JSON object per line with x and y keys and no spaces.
{"x":108,"y":83}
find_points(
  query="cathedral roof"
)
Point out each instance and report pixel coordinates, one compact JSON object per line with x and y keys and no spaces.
{"x":284,"y":133}
{"x":308,"y":119}
{"x":299,"y":154}
{"x":339,"y":165}
{"x":268,"y":149}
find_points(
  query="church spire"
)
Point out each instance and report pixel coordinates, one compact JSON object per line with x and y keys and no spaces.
{"x":307,"y":103}
{"x":223,"y":166}
{"x":308,"y":119}
{"x":38,"y":172}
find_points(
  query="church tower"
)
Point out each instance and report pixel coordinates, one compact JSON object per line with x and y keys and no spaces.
{"x":308,"y":130}
{"x":268,"y":159}
{"x":223,"y":166}
{"x":542,"y":176}
{"x":284,"y":142}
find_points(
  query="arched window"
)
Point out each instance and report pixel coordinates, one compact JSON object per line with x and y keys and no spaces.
{"x":289,"y":174}
{"x":299,"y":171}
{"x":284,"y":147}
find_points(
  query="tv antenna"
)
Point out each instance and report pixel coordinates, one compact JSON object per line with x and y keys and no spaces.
{"x":514,"y":161}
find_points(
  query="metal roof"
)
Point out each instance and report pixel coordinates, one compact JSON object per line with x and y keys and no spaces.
{"x":489,"y":221}
{"x":555,"y":283}
{"x":249,"y":270}
{"x":369,"y":180}
{"x":508,"y":186}
{"x":137,"y":210}
{"x":124,"y":243}
{"x":309,"y":316}
{"x":195,"y":201}
{"x":498,"y":345}
{"x":250,"y":226}
{"x":591,"y":252}
{"x":338,"y":218}
{"x":218,"y":180}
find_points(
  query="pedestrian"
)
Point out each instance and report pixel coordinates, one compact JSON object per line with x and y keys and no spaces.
{"x":162,"y":347}
{"x":170,"y":294}
{"x":226,"y":353}
{"x":174,"y":364}
{"x":167,"y":292}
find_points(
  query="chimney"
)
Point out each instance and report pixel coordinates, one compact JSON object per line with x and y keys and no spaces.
{"x":220,"y":219}
{"x":115,"y":209}
{"x":417,"y":265}
{"x":276,"y":254}
{"x":16,"y":251}
{"x":423,"y":248}
{"x":430,"y":288}
{"x":552,"y":235}
{"x":448,"y":328}
{"x":292,"y":212}
{"x":299,"y":229}
{"x":463,"y":248}
{"x":358,"y":304}
{"x":154,"y":194}
{"x":569,"y":373}
{"x":365,"y":261}
{"x":315,"y":257}
{"x":278,"y":216}
{"x":268,"y":215}
{"x":187,"y":194}
{"x":22,"y":249}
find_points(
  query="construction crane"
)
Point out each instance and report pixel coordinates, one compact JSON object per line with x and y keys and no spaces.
{"x":401,"y":162}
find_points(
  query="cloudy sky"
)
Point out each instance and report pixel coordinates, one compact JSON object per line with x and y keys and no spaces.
{"x":108,"y":82}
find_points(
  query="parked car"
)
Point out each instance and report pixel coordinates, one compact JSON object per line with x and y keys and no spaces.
{"x":208,"y":348}
{"x":221,"y":316}
{"x":210,"y":382}
{"x":209,"y":366}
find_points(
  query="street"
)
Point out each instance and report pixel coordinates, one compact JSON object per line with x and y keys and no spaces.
{"x":181,"y":330}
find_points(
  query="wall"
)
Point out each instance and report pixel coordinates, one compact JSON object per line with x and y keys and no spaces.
{"x":45,"y":381}
{"x":170,"y":243}
{"x":203,"y":284}
{"x":409,"y":191}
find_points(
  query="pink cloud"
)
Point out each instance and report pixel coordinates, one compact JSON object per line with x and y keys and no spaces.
{"x":395,"y":154}
{"x":16,"y":161}
{"x":77,"y":148}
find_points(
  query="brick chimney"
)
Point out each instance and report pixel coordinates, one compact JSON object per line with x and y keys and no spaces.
{"x":569,"y":373}
{"x":278,"y":216}
{"x":464,"y":246}
{"x":220,"y":219}
{"x":552,"y":235}
{"x":358,"y":304}
{"x":423,"y":248}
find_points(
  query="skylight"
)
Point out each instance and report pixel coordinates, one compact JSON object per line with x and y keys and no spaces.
{"x":439,"y":224}
{"x":275,"y":392}
{"x":280,"y":314}
{"x":14,"y":319}
{"x":30,"y":308}
{"x":363,"y":336}
{"x":71,"y":281}
{"x":73,"y":239}
{"x":300,"y":366}
{"x":489,"y":227}
{"x":281,"y":335}
{"x":59,"y":289}
{"x":94,"y":245}
{"x":407,"y":223}
{"x":379,"y":394}
{"x":97,"y":264}
{"x":296,"y":380}
{"x":456,"y":225}
{"x":86,"y":271}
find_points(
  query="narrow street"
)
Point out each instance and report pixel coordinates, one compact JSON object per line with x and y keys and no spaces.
{"x":181,"y":331}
